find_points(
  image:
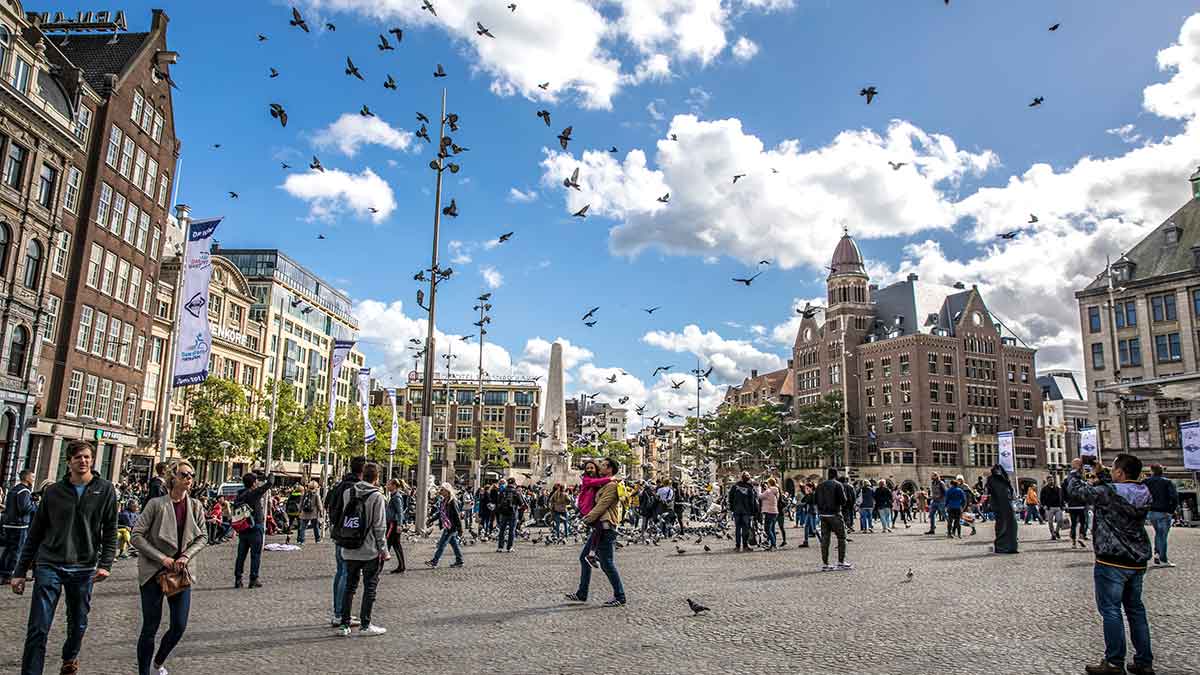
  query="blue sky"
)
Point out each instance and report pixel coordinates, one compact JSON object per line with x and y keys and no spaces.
{"x":954,"y":85}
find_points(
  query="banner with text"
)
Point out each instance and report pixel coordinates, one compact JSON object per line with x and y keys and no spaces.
{"x":193,"y":341}
{"x":1004,"y":440}
{"x":1089,"y":442}
{"x":364,"y":401}
{"x":341,"y":349}
{"x":391,"y":392}
{"x":1191,"y":444}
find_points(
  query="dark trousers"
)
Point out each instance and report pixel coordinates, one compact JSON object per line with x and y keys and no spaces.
{"x":837,"y":526}
{"x":604,"y":541}
{"x":779,"y":522}
{"x":249,"y":541}
{"x":953,"y":522}
{"x":508,"y":530}
{"x":394,"y":543}
{"x":49,"y":583}
{"x":741,"y":529}
{"x":369,"y":571}
{"x":12,"y":551}
{"x":179,"y":606}
{"x":1078,"y":524}
{"x":486,"y":520}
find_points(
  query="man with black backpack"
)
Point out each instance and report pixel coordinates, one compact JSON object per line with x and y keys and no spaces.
{"x":360,"y":531}
{"x":333,"y":503}
{"x":510,"y":503}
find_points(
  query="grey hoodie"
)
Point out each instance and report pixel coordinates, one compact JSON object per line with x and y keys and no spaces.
{"x":375,"y":544}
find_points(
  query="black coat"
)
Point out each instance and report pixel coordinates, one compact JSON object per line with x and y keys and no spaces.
{"x":1000,"y":494}
{"x":72,"y":530}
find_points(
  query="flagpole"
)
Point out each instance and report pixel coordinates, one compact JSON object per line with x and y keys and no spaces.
{"x":329,"y":391}
{"x":275,"y":388}
{"x":183,"y":215}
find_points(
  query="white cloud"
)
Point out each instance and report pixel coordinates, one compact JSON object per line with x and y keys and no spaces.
{"x":1179,"y":97}
{"x":491,"y":276}
{"x":730,"y":359}
{"x":697,"y":99}
{"x":333,"y":191}
{"x":459,"y":251}
{"x":522,"y":196}
{"x":572,"y":43}
{"x":1126,"y":132}
{"x":744,"y":49}
{"x":791,"y":216}
{"x":351,"y":131}
{"x":652,"y":109}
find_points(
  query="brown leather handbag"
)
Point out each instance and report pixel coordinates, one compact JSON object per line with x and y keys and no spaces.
{"x":173,"y":582}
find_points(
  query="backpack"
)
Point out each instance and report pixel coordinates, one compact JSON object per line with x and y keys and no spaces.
{"x":350,"y":528}
{"x":306,"y":504}
{"x":242,"y":517}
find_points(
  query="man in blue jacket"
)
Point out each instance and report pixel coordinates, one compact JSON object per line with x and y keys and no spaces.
{"x":18,"y":513}
{"x":1164,"y":499}
{"x":956,"y":499}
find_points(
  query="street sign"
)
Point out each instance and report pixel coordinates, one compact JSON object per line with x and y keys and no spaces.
{"x":101,"y":434}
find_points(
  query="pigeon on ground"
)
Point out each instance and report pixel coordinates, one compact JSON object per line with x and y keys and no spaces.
{"x":696,"y":607}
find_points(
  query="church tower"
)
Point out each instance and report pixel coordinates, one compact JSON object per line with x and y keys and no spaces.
{"x":848,"y":292}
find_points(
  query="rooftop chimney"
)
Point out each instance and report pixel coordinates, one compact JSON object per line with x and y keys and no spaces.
{"x":912,"y":277}
{"x":959,"y":285}
{"x":753,"y":373}
{"x":1195,"y":181}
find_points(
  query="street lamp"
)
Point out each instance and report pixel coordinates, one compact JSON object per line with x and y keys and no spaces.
{"x":225,"y":445}
{"x":484,"y":318}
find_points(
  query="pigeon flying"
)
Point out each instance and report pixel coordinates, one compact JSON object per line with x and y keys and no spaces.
{"x":279,"y":113}
{"x":298,"y":20}
{"x":870,"y":92}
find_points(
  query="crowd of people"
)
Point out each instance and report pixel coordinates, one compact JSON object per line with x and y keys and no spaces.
{"x":66,"y":535}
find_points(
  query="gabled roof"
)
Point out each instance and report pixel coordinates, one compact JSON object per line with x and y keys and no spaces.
{"x":914,"y":306}
{"x":1061,"y":386}
{"x":99,"y":55}
{"x":1153,"y":256}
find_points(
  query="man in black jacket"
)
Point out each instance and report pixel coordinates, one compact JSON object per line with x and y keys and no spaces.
{"x":157,"y":485}
{"x":18,"y":513}
{"x":71,"y":545}
{"x":1164,"y":499}
{"x":250,"y":541}
{"x":333,"y":506}
{"x":743,"y":504}
{"x":831,"y":501}
{"x":1051,"y":499}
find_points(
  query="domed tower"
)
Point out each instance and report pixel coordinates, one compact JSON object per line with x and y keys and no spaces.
{"x":847,"y":287}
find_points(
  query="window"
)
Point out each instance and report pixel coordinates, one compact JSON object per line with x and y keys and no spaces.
{"x":906,"y":418}
{"x":147,"y":297}
{"x":250,"y":376}
{"x":143,"y":226}
{"x":949,"y":393}
{"x":89,"y":396}
{"x":33,"y":264}
{"x":906,"y":392}
{"x":118,"y":212}
{"x":110,"y":273}
{"x":1125,"y":314}
{"x":18,"y":349}
{"x":20,"y":75}
{"x":935,"y":420}
{"x":464,"y":431}
{"x":99,"y":333}
{"x":83,"y":123}
{"x":130,"y":224}
{"x":4,"y":242}
{"x":1137,"y":431}
{"x":495,"y":397}
{"x":933,"y":364}
{"x":105,"y":204}
{"x":102,"y":399}
{"x":139,"y":168}
{"x":1168,"y":426}
{"x":869,"y":370}
{"x":464,"y":414}
{"x":151,"y":176}
{"x":139,"y":351}
{"x":4,"y":38}
{"x":163,"y":190}
{"x":126,"y":343}
{"x":1162,"y":308}
{"x":887,"y":394}
{"x":47,"y":182}
{"x":61,"y":253}
{"x":127,"y":149}
{"x":1026,"y":400}
{"x":870,"y":397}
{"x":934,"y":391}
{"x":230,"y":370}
{"x":14,"y":166}
{"x":147,"y":117}
{"x":886,"y":366}
{"x":1129,"y":352}
{"x":157,"y":127}
{"x":1098,"y":356}
{"x":85,"y":329}
{"x":1025,"y":374}
{"x":157,"y":347}
{"x":118,"y":401}
{"x":904,"y":364}
{"x":1166,"y":348}
{"x":889,"y":422}
{"x":947,"y":365}
{"x":114,"y":147}
{"x":94,"y":262}
{"x":49,"y":328}
{"x":153,"y":252}
{"x":122,"y":280}
{"x":73,"y":392}
{"x":135,"y":113}
{"x":114,"y":339}
{"x":1093,"y":319}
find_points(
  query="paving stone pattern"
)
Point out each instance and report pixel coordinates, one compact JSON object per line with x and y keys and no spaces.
{"x":965,"y":611}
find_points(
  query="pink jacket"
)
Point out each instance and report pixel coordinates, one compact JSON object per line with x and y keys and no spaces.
{"x":587,"y":492}
{"x":768,"y":499}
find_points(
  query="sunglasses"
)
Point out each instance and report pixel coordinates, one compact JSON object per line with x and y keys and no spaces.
{"x":186,"y":475}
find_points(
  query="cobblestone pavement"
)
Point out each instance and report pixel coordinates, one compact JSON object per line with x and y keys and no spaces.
{"x":965,"y":611}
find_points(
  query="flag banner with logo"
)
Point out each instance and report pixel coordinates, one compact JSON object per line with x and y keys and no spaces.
{"x":341,"y":349}
{"x":1089,"y":442}
{"x":364,"y":401}
{"x":391,"y":392}
{"x":1004,"y":440}
{"x":193,"y":341}
{"x":1190,"y":431}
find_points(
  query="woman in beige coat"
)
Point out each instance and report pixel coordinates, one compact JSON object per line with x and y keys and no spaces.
{"x":167,"y":536}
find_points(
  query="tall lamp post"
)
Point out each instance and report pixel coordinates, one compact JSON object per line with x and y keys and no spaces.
{"x":483,"y":307}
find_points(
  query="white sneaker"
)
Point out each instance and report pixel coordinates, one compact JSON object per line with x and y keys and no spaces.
{"x":162,"y":670}
{"x":336,"y":621}
{"x":344,"y":631}
{"x":372,"y":629}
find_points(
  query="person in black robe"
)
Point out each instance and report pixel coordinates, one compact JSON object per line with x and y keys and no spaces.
{"x":1000,"y":494}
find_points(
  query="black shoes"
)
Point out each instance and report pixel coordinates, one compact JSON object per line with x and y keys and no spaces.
{"x":237,"y":583}
{"x":1105,"y":668}
{"x":458,"y":563}
{"x":571,"y":597}
{"x":1135,"y":669}
{"x":255,"y":583}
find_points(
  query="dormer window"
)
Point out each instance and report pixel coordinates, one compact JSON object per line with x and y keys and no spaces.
{"x":1122,"y":270}
{"x":1172,"y":233}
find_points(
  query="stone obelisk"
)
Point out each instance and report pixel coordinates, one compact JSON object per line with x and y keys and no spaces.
{"x":554,"y":422}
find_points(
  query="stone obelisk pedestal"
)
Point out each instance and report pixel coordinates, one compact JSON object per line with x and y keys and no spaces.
{"x":554,"y":423}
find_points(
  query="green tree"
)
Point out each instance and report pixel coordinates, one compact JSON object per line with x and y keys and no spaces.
{"x":604,"y":446}
{"x":217,"y":412}
{"x":296,"y":428}
{"x":497,"y":452}
{"x":818,"y":428}
{"x":347,"y":438}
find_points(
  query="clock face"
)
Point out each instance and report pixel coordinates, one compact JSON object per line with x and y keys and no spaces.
{"x":977,"y":318}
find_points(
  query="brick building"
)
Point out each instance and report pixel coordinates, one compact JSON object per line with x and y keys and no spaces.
{"x":929,"y":376}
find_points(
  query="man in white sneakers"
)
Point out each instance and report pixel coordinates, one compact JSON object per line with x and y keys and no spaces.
{"x":361,"y":531}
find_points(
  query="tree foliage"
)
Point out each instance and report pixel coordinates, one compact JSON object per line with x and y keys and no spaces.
{"x":770,"y":435}
{"x":604,"y":446}
{"x":219,"y":412}
{"x":297,"y":430}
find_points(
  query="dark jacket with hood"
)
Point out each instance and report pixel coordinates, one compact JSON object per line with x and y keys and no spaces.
{"x":1164,"y":497}
{"x":1051,"y":496}
{"x":73,"y":531}
{"x":1119,"y":527}
{"x":336,"y":498}
{"x":830,"y":497}
{"x":743,"y":500}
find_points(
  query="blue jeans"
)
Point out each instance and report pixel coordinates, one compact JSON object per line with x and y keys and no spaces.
{"x":885,"y":518}
{"x":741,"y":529}
{"x":604,"y":542}
{"x":508,"y":530}
{"x":936,"y":507}
{"x":865,"y":520}
{"x":1162,"y":526}
{"x":49,"y":583}
{"x":339,"y":581}
{"x":179,"y":605}
{"x":12,"y":552}
{"x":249,"y":541}
{"x":447,"y":536}
{"x":305,"y":523}
{"x":769,"y":527}
{"x":561,"y":527}
{"x":1117,"y":588}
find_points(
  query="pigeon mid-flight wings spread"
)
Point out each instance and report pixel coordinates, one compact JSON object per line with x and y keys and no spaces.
{"x":869,"y":92}
{"x":352,"y":69}
{"x":582,"y":213}
{"x":565,"y":137}
{"x":298,"y":20}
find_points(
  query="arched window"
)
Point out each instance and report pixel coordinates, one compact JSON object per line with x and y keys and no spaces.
{"x":33,"y":264}
{"x":5,"y":238}
{"x":17,"y":351}
{"x":4,"y":38}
